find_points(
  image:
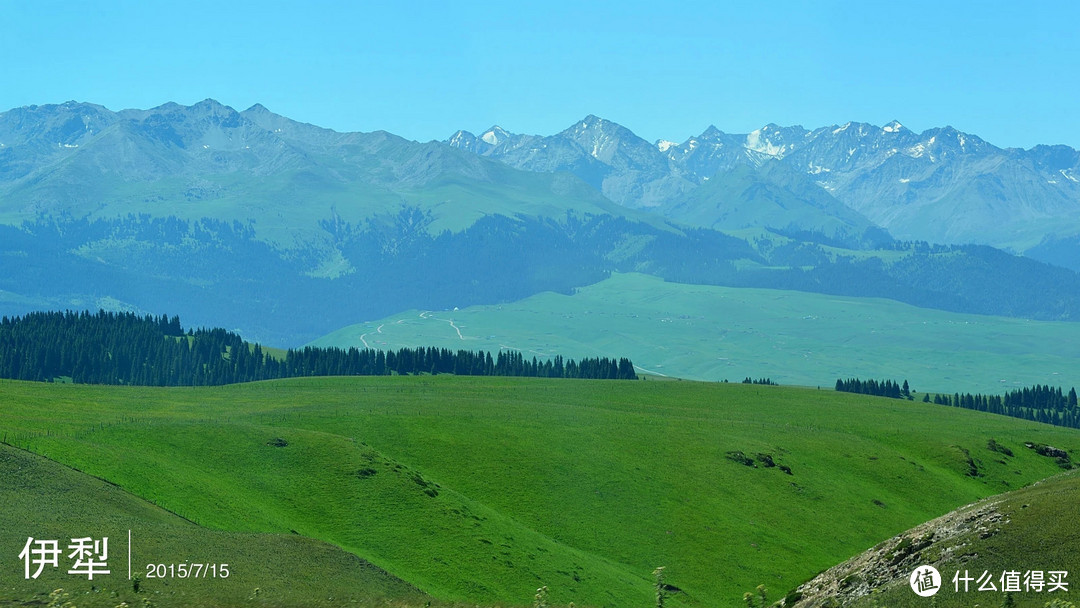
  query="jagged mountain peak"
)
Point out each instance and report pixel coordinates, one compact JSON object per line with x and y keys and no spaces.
{"x":894,"y":127}
{"x":461,"y":137}
{"x":211,"y":104}
{"x":592,"y":123}
{"x":257,"y":109}
{"x":1056,"y":157}
{"x":82,"y":105}
{"x":775,"y":141}
{"x":495,"y":135}
{"x":168,"y":106}
{"x":64,"y":125}
{"x":605,"y":140}
{"x":949,"y":138}
{"x":711,"y":133}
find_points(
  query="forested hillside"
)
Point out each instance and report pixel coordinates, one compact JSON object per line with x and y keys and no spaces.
{"x":220,"y":273}
{"x":123,"y":348}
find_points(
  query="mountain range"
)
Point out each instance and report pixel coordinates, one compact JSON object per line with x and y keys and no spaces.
{"x":939,"y":186}
{"x":285,"y":231}
{"x":208,"y":160}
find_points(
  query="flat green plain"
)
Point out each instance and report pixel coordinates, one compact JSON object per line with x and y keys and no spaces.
{"x":716,"y":333}
{"x":483,"y":489}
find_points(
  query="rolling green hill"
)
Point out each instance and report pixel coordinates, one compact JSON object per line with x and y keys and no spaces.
{"x":715,"y":333}
{"x":47,"y":500}
{"x":481,"y":490}
{"x":1030,"y":529}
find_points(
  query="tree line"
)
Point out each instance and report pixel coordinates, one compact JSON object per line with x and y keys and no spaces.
{"x":1046,"y":404}
{"x":1037,"y":403}
{"x":882,"y":388}
{"x":766,"y":381}
{"x":124,"y":348}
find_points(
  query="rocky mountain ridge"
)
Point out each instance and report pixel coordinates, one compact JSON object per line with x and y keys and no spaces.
{"x":941,"y":185}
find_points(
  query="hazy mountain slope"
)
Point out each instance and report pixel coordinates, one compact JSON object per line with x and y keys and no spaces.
{"x":218,"y":273}
{"x":771,"y":196}
{"x":1059,"y":251}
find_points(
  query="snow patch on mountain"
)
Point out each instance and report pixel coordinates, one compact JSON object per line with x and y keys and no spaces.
{"x":495,"y":135}
{"x":460,"y":138}
{"x":664,"y":145}
{"x":757,"y":143}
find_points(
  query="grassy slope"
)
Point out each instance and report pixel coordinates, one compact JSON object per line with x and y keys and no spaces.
{"x":714,"y":333}
{"x":49,"y":501}
{"x":483,"y":489}
{"x":1028,"y":529}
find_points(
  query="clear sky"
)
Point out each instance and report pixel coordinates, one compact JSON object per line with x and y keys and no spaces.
{"x":1006,"y":71}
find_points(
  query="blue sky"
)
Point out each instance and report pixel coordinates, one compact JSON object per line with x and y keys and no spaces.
{"x":1005,"y":71}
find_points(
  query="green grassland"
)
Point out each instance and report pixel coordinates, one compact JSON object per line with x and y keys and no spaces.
{"x":46,"y":500}
{"x":483,"y":489}
{"x":715,"y":333}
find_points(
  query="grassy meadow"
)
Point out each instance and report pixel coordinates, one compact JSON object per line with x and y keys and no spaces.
{"x":483,"y":489}
{"x":47,"y":500}
{"x":715,"y":333}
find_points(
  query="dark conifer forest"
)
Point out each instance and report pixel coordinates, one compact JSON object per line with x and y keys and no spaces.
{"x":124,"y":348}
{"x":1038,"y":403}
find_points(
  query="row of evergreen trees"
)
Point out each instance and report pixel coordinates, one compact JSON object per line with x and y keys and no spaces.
{"x":767,"y":381}
{"x":1038,"y":403}
{"x":882,"y":388}
{"x":124,"y":348}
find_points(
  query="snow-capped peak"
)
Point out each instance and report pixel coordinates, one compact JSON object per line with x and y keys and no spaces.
{"x":893,"y":127}
{"x":463,"y":139}
{"x":494,"y":135}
